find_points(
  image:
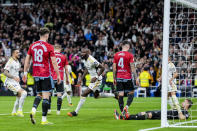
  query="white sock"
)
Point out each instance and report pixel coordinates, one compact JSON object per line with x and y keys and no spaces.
{"x":64,"y":95}
{"x":16,"y":105}
{"x":81,"y":102}
{"x":44,"y":118}
{"x":176,"y":103}
{"x":170,"y":102}
{"x":21,"y":100}
{"x":69,"y":99}
{"x":104,"y":95}
{"x":33,"y":109}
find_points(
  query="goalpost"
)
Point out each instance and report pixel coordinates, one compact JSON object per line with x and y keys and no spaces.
{"x":180,"y":41}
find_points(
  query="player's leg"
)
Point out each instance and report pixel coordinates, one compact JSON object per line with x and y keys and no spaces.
{"x":60,"y":90}
{"x":120,"y":91}
{"x":49,"y":110}
{"x":37,"y":99}
{"x":47,"y":85}
{"x":16,"y":103}
{"x":17,"y":90}
{"x":55,"y":85}
{"x":64,"y":95}
{"x":170,"y":101}
{"x":176,"y":103}
{"x":80,"y":103}
{"x":23,"y":94}
{"x":128,"y":87}
{"x":69,"y":91}
{"x":36,"y":103}
{"x":172,"y":90}
{"x":10,"y":86}
{"x":45,"y":106}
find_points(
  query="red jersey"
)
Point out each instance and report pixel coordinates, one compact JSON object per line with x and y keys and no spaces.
{"x":123,"y":60}
{"x":62,"y":62}
{"x":41,"y":53}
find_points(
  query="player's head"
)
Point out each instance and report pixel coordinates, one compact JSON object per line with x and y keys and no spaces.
{"x":57,"y":47}
{"x":44,"y":33}
{"x":187,"y":104}
{"x":170,"y":57}
{"x":85,"y":53}
{"x":125,"y":45}
{"x":15,"y":53}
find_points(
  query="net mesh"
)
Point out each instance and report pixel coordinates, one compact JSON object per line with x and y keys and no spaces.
{"x":183,"y":50}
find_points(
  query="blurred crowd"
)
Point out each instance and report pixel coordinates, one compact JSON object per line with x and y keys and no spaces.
{"x":101,"y":26}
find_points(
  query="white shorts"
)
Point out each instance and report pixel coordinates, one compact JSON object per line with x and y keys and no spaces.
{"x":13,"y":86}
{"x":95,"y":86}
{"x":172,"y":88}
{"x":67,"y":87}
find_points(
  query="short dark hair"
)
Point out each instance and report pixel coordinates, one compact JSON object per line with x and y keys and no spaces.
{"x":44,"y":31}
{"x":190,"y":103}
{"x":13,"y":50}
{"x":125,"y":42}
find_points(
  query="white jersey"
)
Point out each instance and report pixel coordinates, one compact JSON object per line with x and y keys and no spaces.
{"x":171,"y":71}
{"x":91,"y":63}
{"x":69,"y":69}
{"x":13,"y":66}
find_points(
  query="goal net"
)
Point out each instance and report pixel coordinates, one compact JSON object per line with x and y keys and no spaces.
{"x":180,"y":43}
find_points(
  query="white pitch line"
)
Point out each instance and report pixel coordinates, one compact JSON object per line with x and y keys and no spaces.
{"x":29,"y":112}
{"x":150,"y":129}
{"x":53,"y":110}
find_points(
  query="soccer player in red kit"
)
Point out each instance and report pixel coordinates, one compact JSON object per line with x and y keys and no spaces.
{"x":122,"y":74}
{"x":43,"y":58}
{"x":63,"y":67}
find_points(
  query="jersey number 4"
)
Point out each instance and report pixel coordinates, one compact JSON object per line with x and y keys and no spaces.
{"x":38,"y":55}
{"x":121,"y":62}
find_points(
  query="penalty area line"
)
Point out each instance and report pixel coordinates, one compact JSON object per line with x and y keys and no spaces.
{"x":150,"y":129}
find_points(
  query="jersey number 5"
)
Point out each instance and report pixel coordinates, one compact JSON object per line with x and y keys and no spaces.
{"x":121,"y":62}
{"x":38,"y":55}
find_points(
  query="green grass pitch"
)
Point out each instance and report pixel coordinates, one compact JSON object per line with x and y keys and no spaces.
{"x":95,"y":115}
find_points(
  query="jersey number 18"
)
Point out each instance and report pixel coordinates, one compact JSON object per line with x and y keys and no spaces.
{"x":38,"y":55}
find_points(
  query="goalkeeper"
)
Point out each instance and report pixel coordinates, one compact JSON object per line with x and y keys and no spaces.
{"x":171,"y":114}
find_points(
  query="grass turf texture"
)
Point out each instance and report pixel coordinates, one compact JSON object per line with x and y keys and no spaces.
{"x":95,"y":115}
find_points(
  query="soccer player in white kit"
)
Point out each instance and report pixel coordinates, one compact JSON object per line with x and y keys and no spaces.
{"x":172,"y":88}
{"x":11,"y":71}
{"x":67,"y":87}
{"x":90,"y":64}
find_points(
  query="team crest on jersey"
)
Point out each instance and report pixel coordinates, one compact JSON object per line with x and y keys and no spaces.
{"x":122,"y":54}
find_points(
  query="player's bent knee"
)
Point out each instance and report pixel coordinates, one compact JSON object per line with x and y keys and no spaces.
{"x":68,"y":92}
{"x":24,"y":93}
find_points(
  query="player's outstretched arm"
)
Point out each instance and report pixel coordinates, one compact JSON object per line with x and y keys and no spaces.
{"x":101,"y":69}
{"x":26,"y":67}
{"x":114,"y":73}
{"x":55,"y":66}
{"x":7,"y":74}
{"x":67,"y":74}
{"x":83,"y":76}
